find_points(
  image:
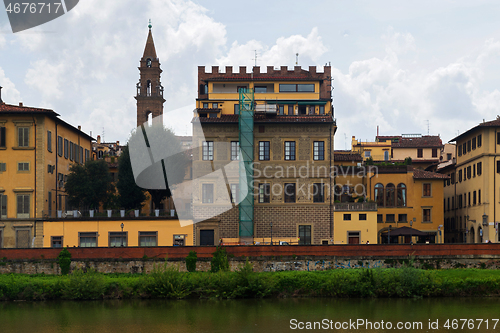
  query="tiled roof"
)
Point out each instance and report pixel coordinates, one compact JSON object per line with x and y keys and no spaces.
{"x":233,"y":118}
{"x":7,"y":108}
{"x":421,"y":174}
{"x":337,"y":156}
{"x":261,"y":78}
{"x":492,"y":123}
{"x":426,"y":141}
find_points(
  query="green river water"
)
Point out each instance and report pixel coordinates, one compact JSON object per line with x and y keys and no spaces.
{"x":269,"y":315}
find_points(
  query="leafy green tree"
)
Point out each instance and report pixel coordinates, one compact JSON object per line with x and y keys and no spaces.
{"x":130,"y":196}
{"x":174,"y":164}
{"x":89,"y":185}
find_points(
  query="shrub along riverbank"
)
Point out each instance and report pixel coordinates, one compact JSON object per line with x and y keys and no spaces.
{"x":170,"y":283}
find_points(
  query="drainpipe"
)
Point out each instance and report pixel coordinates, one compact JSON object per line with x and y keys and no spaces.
{"x":34,"y":196}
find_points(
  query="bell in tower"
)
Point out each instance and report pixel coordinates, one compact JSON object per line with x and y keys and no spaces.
{"x":149,"y":89}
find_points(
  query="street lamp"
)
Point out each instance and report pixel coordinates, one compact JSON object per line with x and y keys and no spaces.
{"x":389,"y":236}
{"x":271,"y":233}
{"x":122,"y":225}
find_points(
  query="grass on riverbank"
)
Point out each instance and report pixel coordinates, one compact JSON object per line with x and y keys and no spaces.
{"x":170,"y":283}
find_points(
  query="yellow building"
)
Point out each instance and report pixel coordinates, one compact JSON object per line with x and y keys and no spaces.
{"x":474,"y":196}
{"x":117,"y":232}
{"x":378,"y":150}
{"x":36,"y":151}
{"x":355,"y":223}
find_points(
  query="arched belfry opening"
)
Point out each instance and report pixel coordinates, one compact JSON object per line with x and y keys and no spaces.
{"x":149,"y":88}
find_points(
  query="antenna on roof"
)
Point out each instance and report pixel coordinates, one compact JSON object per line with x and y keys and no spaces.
{"x":427,"y":126}
{"x":345,"y":141}
{"x":255,"y":58}
{"x":296,"y":59}
{"x":103,"y":135}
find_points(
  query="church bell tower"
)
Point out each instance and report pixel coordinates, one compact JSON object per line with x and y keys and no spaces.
{"x":149,"y":89}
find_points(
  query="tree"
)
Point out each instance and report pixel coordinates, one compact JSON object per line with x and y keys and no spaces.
{"x":170,"y":163}
{"x":131,"y":196}
{"x":89,"y":185}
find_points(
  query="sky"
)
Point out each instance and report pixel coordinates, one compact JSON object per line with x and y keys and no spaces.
{"x":406,"y":67}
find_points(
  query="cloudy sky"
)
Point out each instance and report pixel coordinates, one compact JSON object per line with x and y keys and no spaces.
{"x":408,"y":67}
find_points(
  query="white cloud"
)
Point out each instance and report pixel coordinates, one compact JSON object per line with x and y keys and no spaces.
{"x":10,"y":94}
{"x":400,"y":98}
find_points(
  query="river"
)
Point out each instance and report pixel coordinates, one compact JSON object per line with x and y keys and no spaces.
{"x":248,"y":316}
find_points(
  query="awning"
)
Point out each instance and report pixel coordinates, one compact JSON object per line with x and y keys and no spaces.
{"x":312,"y":103}
{"x":406,"y":231}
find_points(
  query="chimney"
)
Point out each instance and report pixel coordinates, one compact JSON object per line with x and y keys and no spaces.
{"x":79,"y":127}
{"x":98,"y":139}
{"x":1,"y":102}
{"x":20,"y":103}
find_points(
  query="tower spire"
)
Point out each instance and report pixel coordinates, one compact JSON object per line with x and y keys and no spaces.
{"x":150,"y":26}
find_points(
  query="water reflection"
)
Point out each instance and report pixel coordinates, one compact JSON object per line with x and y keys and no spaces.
{"x":269,"y":315}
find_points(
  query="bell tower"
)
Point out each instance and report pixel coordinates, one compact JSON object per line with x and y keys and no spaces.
{"x":149,"y":89}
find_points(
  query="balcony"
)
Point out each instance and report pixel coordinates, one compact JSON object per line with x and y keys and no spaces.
{"x":355,"y":206}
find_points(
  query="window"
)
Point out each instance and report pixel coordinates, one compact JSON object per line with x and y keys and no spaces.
{"x":3,"y":206}
{"x":468,"y":146}
{"x":264,"y":193}
{"x":235,"y":189}
{"x":23,"y":166}
{"x":281,"y":110}
{"x":296,"y":87}
{"x":452,"y":202}
{"x":464,"y":148}
{"x":479,"y":197}
{"x":3,"y":167}
{"x":56,"y":241}
{"x":23,"y":238}
{"x":379,"y":195}
{"x":479,"y":168}
{"x":66,"y":148}
{"x":23,"y":136}
{"x":88,"y":239}
{"x":426,"y":215}
{"x":80,"y":154}
{"x":459,"y":151}
{"x":235,"y":151}
{"x":347,"y":217}
{"x":321,"y":109}
{"x":479,"y":141}
{"x":264,"y":150}
{"x":319,"y":150}
{"x":260,"y":89}
{"x":362,"y":217}
{"x":290,"y":110}
{"x":473,"y":170}
{"x":452,"y":175}
{"x":117,"y":239}
{"x":460,"y":175}
{"x":236,"y":108}
{"x":71,"y":151}
{"x":289,"y":192}
{"x":401,"y":195}
{"x":289,"y":150}
{"x":420,"y":153}
{"x":208,"y":150}
{"x":386,"y":155}
{"x":498,"y":166}
{"x":473,"y":143}
{"x":205,"y":105}
{"x":434,"y":152}
{"x":390,"y":195}
{"x":474,"y":198}
{"x":49,"y":141}
{"x":215,"y":106}
{"x":389,"y":218}
{"x":468,"y":200}
{"x":402,"y":218}
{"x":318,"y":192}
{"x":469,"y":172}
{"x":380,"y":218}
{"x":207,"y":195}
{"x":87,"y":155}
{"x":2,"y":137}
{"x":304,"y":234}
{"x":426,"y":190}
{"x":60,"y":146}
{"x":311,"y":110}
{"x":179,"y":240}
{"x":148,"y":62}
{"x":147,"y":238}
{"x":368,"y":154}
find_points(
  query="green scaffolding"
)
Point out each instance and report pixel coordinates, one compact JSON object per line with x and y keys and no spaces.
{"x":246,"y":160}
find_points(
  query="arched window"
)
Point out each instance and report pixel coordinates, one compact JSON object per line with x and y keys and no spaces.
{"x":379,"y":194}
{"x":148,"y":62}
{"x":390,"y":198}
{"x":148,"y":91}
{"x":401,"y":195}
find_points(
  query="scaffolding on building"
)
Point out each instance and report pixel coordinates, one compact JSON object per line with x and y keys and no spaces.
{"x":246,"y":124}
